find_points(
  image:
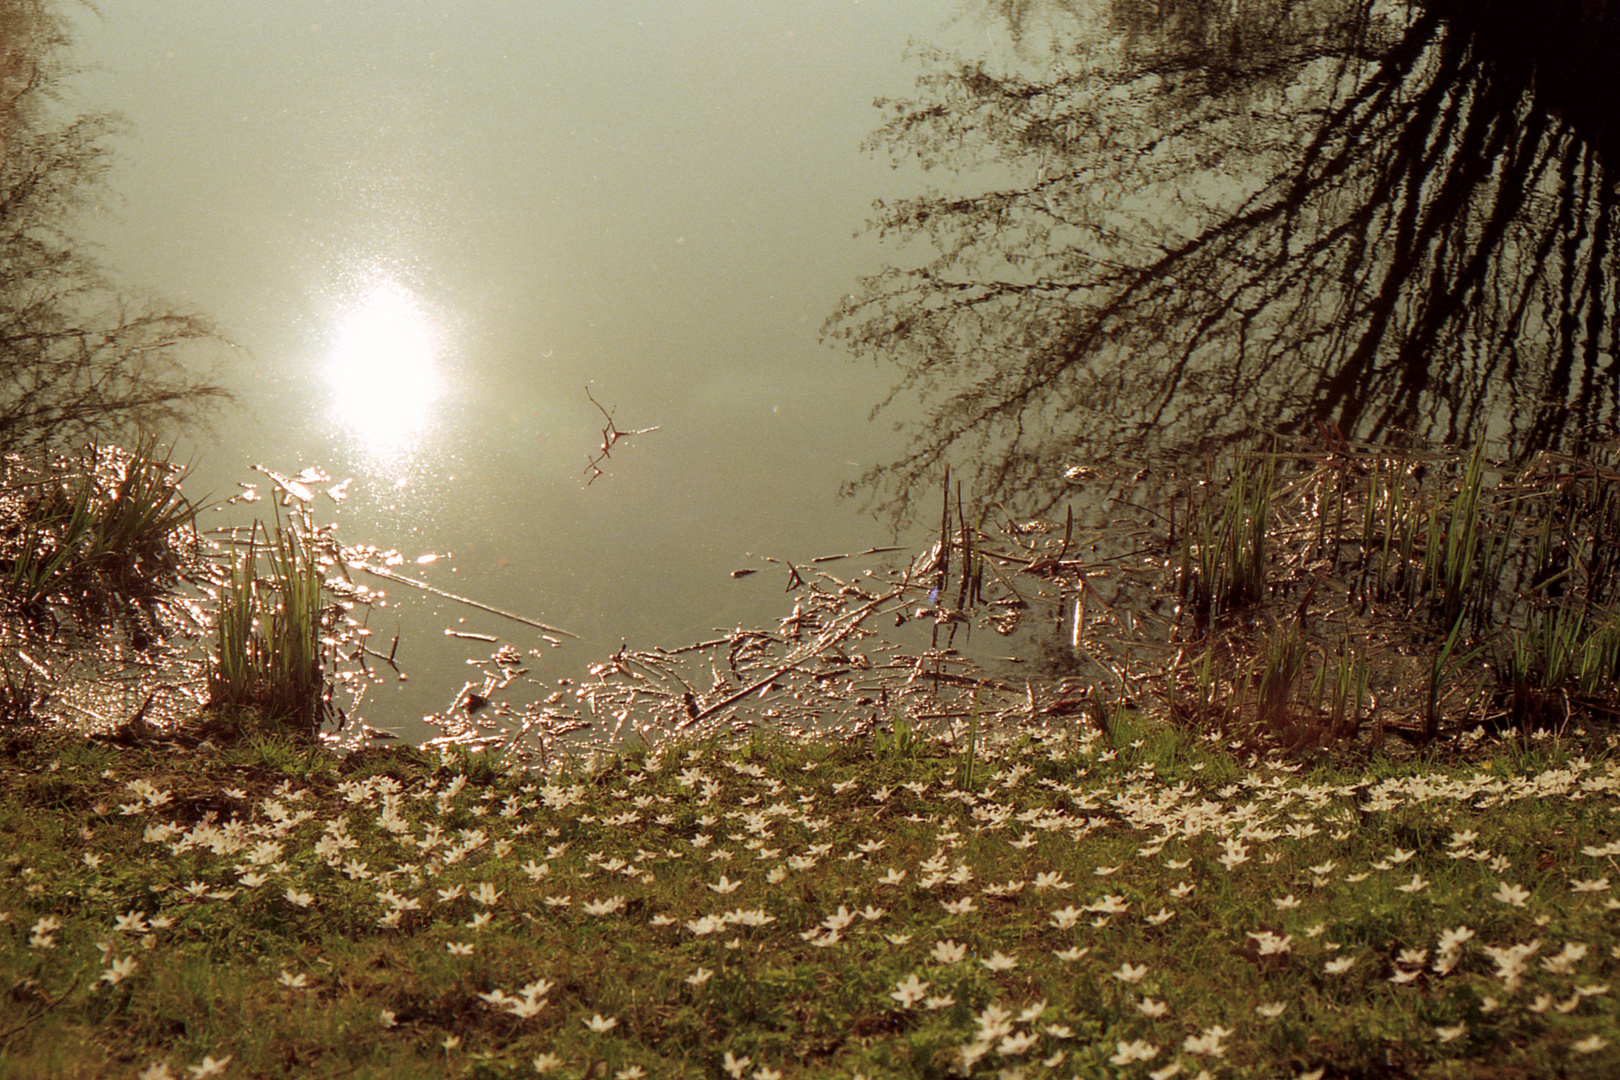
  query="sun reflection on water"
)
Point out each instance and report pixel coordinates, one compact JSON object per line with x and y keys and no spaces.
{"x":383,"y":370}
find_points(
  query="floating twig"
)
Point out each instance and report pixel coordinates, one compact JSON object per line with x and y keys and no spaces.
{"x":858,"y":554}
{"x":610,"y":435}
{"x":384,"y":572}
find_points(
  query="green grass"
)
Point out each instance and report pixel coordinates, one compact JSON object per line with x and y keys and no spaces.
{"x":810,"y":909}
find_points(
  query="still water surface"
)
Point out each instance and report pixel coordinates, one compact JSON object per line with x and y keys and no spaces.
{"x":429,"y":227}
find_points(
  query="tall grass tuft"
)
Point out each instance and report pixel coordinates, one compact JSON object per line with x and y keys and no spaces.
{"x":1222,"y":565}
{"x":1282,"y":662}
{"x":273,"y":633}
{"x":21,"y":695}
{"x":96,"y":539}
{"x":1464,"y":556}
{"x":1288,"y":693}
{"x":1393,"y":518}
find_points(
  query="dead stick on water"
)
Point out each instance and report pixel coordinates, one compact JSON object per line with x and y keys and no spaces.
{"x":610,"y":435}
{"x":856,"y":555}
{"x":425,"y":587}
{"x":831,"y":636}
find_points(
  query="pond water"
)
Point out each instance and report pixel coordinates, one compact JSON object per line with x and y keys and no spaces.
{"x":439,"y":235}
{"x":539,"y":289}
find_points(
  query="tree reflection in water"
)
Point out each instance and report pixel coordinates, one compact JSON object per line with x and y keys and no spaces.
{"x":1186,"y":220}
{"x":80,"y":358}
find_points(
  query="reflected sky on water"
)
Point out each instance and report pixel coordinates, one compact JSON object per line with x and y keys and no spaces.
{"x":429,"y":228}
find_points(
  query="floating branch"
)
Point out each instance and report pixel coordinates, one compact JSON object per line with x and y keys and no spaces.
{"x":858,"y":554}
{"x":464,"y":635}
{"x":383,"y":572}
{"x":610,"y":436}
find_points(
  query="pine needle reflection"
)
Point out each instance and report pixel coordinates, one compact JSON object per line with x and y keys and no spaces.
{"x":382,"y":368}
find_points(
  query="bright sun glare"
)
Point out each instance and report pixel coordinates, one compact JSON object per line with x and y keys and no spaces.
{"x":382,"y":367}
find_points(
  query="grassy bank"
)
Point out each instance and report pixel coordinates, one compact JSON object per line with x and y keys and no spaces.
{"x":1058,"y":906}
{"x":1171,"y":837}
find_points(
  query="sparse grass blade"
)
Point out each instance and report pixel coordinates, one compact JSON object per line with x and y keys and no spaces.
{"x":1282,"y":659}
{"x":968,"y":760}
{"x":22,"y":693}
{"x":1446,"y":664}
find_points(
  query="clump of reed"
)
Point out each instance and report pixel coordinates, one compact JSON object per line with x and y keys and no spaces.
{"x":94,"y":538}
{"x":1448,"y":590}
{"x":1308,"y":596}
{"x":21,"y":693}
{"x":104,"y":540}
{"x":1222,"y":557}
{"x":1283,"y":689}
{"x":275,"y":640}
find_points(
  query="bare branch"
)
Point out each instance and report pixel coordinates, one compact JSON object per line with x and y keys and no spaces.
{"x":610,"y":436}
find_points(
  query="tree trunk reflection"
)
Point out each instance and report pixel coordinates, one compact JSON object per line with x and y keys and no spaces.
{"x":1202,"y":219}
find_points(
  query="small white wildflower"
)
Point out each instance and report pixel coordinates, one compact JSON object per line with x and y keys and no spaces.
{"x":119,"y":971}
{"x":909,"y":991}
{"x":209,"y":1067}
{"x":1065,"y":918}
{"x":1000,"y":961}
{"x":1515,"y":895}
{"x":1137,"y":1050}
{"x":1017,"y":1043}
{"x":1208,"y":1043}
